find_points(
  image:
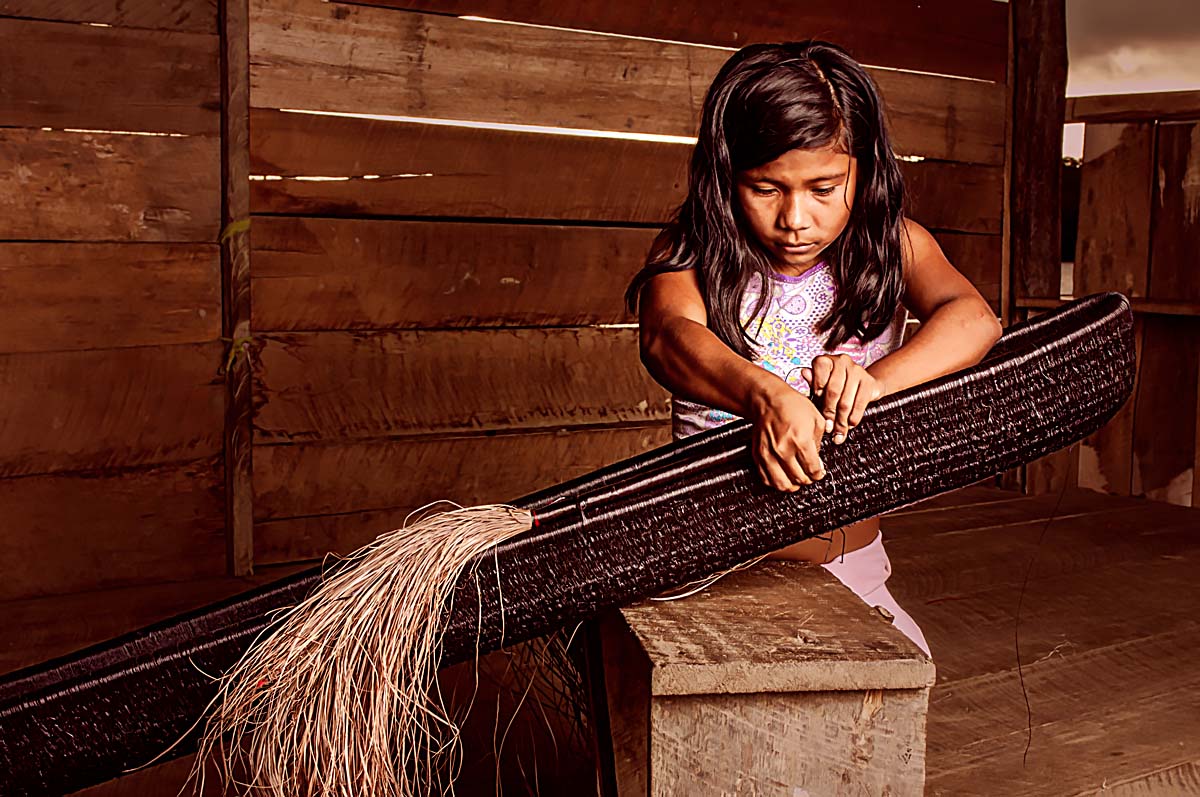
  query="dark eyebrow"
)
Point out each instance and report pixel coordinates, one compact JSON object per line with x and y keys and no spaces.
{"x":836,"y":178}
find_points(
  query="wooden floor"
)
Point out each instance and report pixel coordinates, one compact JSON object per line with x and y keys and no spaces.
{"x":1109,"y":641}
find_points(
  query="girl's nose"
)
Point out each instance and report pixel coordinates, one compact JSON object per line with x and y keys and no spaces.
{"x":793,"y":215}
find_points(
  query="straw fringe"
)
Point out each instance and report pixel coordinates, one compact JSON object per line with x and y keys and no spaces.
{"x":337,"y":700}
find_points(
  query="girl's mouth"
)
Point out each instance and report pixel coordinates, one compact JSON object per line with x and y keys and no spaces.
{"x":797,"y":249}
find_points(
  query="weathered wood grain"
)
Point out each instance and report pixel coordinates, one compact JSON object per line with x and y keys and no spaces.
{"x":1160,"y":105}
{"x":71,"y":533}
{"x":436,"y":170}
{"x":192,"y":15}
{"x":776,"y":674}
{"x":102,"y":187}
{"x":748,"y":744}
{"x":1038,"y":84}
{"x":1180,"y":779}
{"x":89,"y":296}
{"x":312,"y":274}
{"x":108,"y":78}
{"x":344,"y":385}
{"x":314,"y":499}
{"x":238,"y":427}
{"x":1164,"y":423}
{"x":1106,"y":456}
{"x":1113,"y":249}
{"x":978,"y":258}
{"x":1075,"y":543}
{"x":945,"y":37}
{"x":1138,"y":704}
{"x":330,"y":57}
{"x":1174,"y":267}
{"x":109,"y":408}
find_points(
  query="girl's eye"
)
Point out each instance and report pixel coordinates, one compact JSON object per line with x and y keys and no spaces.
{"x":763,"y":190}
{"x":825,"y":191}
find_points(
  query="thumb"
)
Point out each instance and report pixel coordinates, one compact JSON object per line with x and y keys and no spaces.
{"x":807,"y":374}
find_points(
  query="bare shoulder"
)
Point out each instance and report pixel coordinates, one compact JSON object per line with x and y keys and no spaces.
{"x":672,"y":294}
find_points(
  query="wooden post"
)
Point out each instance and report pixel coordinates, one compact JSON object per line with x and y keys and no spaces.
{"x":1039,"y":80}
{"x":775,"y":680}
{"x":235,"y":283}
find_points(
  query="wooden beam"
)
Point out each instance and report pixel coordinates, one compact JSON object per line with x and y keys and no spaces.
{"x":63,"y":75}
{"x":317,"y":498}
{"x":101,"y":187}
{"x":360,"y":385}
{"x":93,"y":296}
{"x":1039,"y":84}
{"x":332,"y":57}
{"x":946,"y":37}
{"x":1140,"y":306}
{"x":1155,"y":106}
{"x":199,"y":16}
{"x":235,"y":285}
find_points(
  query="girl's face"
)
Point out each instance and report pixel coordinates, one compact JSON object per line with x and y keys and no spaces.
{"x":798,"y":204}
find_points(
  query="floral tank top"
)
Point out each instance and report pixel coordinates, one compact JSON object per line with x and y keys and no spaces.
{"x":788,"y":340}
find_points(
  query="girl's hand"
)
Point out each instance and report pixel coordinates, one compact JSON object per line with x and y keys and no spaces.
{"x":847,"y":388}
{"x":787,"y":438}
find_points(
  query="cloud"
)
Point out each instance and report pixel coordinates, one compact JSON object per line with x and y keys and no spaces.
{"x":1116,"y":46}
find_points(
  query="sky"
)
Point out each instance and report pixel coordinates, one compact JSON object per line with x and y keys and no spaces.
{"x":1130,"y":46}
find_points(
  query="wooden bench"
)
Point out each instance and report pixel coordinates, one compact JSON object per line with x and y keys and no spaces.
{"x":774,"y":680}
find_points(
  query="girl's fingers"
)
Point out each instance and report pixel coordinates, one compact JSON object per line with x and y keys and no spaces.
{"x":810,"y":460}
{"x":771,"y":470}
{"x":834,"y":390}
{"x":822,"y":368}
{"x":845,"y":407}
{"x":860,"y":405}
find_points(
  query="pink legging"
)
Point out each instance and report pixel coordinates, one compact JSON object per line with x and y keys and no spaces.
{"x":866,"y":572}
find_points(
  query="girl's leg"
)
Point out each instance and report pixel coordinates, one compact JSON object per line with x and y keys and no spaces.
{"x":866,"y":572}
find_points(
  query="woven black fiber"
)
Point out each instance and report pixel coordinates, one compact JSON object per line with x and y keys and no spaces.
{"x":623,"y":532}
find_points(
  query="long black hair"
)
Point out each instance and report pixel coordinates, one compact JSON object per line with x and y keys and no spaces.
{"x":768,"y":99}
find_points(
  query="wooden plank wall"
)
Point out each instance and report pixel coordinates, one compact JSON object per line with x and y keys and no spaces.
{"x":1139,"y":231}
{"x":437,"y":308}
{"x":111,"y":401}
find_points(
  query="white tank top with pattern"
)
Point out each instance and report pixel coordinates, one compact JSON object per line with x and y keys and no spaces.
{"x":788,"y":340}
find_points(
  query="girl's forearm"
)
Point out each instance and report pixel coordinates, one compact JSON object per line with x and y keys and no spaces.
{"x":690,"y":361}
{"x":955,"y":336}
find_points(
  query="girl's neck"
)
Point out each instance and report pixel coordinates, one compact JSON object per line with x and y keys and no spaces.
{"x":796,"y":273}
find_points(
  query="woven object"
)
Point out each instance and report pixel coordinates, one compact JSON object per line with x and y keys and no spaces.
{"x":626,"y":531}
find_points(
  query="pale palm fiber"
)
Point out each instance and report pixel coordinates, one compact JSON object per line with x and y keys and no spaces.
{"x":336,"y":699}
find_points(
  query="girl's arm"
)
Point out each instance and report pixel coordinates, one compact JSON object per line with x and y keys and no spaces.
{"x":683,"y":355}
{"x":957,"y":325}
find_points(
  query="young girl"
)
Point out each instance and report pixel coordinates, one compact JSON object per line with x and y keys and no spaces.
{"x":790,"y":268}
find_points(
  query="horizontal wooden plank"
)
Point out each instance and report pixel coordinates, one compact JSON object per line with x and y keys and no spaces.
{"x":313,"y":499}
{"x":199,"y":16}
{"x":944,"y":36}
{"x":1161,"y":105}
{"x":1176,"y":235}
{"x":343,"y":274}
{"x":100,"y":187}
{"x":338,"y":478}
{"x":69,"y":533}
{"x":108,"y":78}
{"x":355,"y":385}
{"x":91,"y":296}
{"x":311,"y":274}
{"x":402,"y":169}
{"x":109,"y":408}
{"x":329,"y":57}
{"x":1140,"y":306}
